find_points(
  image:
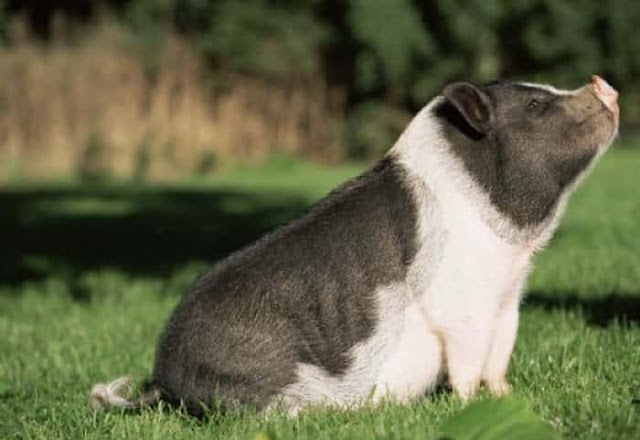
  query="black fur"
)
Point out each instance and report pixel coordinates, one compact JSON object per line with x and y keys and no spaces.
{"x":530,"y":153}
{"x":301,"y":294}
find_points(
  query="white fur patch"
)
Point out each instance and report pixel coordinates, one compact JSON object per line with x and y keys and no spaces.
{"x":401,"y":360}
{"x":315,"y":385}
{"x":548,"y":88}
{"x":484,"y":259}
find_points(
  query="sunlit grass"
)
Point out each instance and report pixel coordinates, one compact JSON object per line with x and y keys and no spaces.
{"x":576,"y":364}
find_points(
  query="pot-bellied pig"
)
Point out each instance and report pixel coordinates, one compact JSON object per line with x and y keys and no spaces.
{"x":414,"y":269}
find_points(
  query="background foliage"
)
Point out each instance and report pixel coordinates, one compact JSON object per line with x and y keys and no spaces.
{"x":370,"y":63}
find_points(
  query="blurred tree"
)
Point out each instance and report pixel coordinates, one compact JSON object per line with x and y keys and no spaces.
{"x":274,"y":39}
{"x":3,"y":20}
{"x":400,"y":50}
{"x":40,"y":13}
{"x":371,"y":128}
{"x":618,"y":23}
{"x":150,"y":21}
{"x":387,"y":56}
{"x":467,"y":43}
{"x":562,"y":39}
{"x":391,"y":37}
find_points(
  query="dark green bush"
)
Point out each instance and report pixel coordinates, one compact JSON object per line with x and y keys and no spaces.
{"x":372,"y":128}
{"x":263,"y":38}
{"x":395,"y":53}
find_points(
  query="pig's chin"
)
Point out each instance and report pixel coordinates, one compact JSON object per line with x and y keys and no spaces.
{"x":610,"y":133}
{"x":611,"y":118}
{"x":604,"y":126}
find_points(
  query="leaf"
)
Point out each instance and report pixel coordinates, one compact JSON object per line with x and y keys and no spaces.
{"x":504,"y":419}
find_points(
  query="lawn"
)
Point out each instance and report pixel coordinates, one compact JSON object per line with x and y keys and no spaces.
{"x":90,"y":273}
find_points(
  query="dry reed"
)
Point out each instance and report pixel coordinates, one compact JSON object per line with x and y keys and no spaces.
{"x":65,"y":101}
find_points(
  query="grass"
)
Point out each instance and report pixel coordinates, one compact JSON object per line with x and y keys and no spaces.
{"x":89,"y":275}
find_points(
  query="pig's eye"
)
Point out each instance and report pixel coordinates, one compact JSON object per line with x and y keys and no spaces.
{"x":533,"y":104}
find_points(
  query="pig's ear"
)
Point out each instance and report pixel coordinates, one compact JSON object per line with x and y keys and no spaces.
{"x":472,"y":103}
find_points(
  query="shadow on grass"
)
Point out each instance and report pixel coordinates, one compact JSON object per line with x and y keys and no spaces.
{"x":144,"y":230}
{"x":141,"y":231}
{"x":597,"y":311}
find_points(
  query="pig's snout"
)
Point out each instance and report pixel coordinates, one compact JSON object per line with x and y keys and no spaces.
{"x":607,"y":94}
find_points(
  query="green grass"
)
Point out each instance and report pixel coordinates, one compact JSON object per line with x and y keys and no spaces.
{"x":90,"y":274}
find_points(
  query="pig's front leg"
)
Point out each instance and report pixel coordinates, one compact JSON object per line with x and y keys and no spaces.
{"x":504,"y":337}
{"x":467,"y":343}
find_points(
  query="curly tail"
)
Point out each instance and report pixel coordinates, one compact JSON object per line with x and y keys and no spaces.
{"x":115,"y":394}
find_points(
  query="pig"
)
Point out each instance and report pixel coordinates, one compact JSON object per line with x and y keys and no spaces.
{"x":411,"y":272}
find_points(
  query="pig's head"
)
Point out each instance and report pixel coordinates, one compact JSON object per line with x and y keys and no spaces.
{"x":526,"y":143}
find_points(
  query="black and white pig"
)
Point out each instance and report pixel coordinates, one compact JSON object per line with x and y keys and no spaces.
{"x":413,"y":269}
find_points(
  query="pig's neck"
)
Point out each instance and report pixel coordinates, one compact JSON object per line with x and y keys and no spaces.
{"x":448,"y":173}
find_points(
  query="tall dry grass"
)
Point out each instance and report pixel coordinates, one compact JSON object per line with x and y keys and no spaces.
{"x":92,"y":105}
